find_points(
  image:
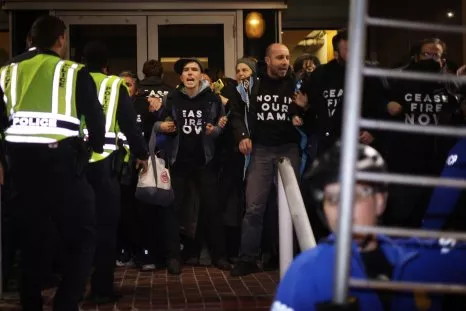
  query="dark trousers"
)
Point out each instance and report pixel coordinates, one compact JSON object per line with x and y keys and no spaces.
{"x":209,"y":218}
{"x":160,"y":233}
{"x":128,"y":228}
{"x":10,"y":241}
{"x":231,"y":196}
{"x":269,"y":244}
{"x":107,"y":198}
{"x":47,"y":189}
{"x":262,"y":172}
{"x":231,"y":187}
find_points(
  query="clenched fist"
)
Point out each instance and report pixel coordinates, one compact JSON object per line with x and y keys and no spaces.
{"x":168,"y":127}
{"x":245,"y":146}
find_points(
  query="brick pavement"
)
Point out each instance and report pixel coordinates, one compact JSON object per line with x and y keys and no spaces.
{"x":198,"y":288}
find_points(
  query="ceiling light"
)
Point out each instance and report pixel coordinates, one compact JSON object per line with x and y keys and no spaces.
{"x":450,"y":14}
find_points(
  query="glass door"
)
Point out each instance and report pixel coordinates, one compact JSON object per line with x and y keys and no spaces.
{"x":211,"y":38}
{"x":125,"y":37}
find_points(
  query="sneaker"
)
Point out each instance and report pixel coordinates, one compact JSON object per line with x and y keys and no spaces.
{"x":222,"y":264}
{"x":243,"y":268}
{"x":123,"y":258}
{"x":119,"y":263}
{"x":145,"y":262}
{"x":130,"y":263}
{"x":174,"y":267}
{"x":148,"y":267}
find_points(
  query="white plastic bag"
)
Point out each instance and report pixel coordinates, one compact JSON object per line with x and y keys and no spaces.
{"x":154,"y":187}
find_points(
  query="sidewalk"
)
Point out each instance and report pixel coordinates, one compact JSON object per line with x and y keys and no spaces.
{"x":198,"y":288}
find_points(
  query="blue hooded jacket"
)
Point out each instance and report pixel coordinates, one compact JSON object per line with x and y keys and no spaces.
{"x":445,"y":199}
{"x":309,"y":280}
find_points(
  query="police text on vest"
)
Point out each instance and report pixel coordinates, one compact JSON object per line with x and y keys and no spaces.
{"x":34,"y":121}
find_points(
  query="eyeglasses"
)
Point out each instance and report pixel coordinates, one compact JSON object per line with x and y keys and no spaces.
{"x":434,"y":56}
{"x":360,"y":193}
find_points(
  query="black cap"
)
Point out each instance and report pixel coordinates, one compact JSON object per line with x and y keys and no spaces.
{"x":326,"y":169}
{"x":179,"y":65}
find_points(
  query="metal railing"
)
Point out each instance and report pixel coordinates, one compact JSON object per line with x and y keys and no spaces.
{"x":291,"y":207}
{"x":352,"y":123}
{"x":291,"y":212}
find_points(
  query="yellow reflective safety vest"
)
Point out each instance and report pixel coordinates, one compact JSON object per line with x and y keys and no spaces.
{"x":108,"y":90}
{"x":40,"y":95}
{"x":123,"y":141}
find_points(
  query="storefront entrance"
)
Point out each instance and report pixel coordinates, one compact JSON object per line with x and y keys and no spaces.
{"x":132,"y":39}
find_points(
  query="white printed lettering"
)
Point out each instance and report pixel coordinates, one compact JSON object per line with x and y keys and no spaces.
{"x":192,"y":120}
{"x":41,"y":122}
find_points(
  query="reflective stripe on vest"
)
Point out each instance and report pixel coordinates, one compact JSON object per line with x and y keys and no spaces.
{"x":40,"y":98}
{"x":108,"y":88}
{"x":123,"y":139}
{"x":109,"y":144}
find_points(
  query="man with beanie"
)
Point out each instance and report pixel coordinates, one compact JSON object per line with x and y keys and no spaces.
{"x":250,"y":63}
{"x":189,"y":116}
{"x":245,"y":74}
{"x":262,"y":123}
{"x":104,"y":168}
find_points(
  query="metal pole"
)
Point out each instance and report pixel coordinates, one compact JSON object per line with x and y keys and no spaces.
{"x":285,"y":227}
{"x":296,"y":206}
{"x":1,"y":247}
{"x":411,"y":128}
{"x":413,"y":233}
{"x":418,"y":180}
{"x":439,"y":288}
{"x":404,"y":24}
{"x":413,"y":75}
{"x":352,"y":106}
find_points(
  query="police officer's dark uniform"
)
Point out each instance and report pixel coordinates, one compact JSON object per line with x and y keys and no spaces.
{"x":46,"y":98}
{"x":103,"y":170}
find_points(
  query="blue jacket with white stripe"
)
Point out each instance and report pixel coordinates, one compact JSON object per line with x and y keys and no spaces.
{"x":445,"y":200}
{"x":309,"y":280}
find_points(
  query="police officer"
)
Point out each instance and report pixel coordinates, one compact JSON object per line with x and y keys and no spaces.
{"x":104,"y":168}
{"x":45,"y":98}
{"x":308,"y":283}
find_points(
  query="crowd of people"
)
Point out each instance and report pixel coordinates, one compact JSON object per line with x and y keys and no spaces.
{"x":221,"y":139}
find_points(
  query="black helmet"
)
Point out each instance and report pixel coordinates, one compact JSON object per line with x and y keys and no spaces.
{"x":326,"y":169}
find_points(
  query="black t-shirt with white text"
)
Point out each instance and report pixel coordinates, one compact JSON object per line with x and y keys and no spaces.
{"x":154,"y":87}
{"x":273,"y":125}
{"x":424,"y":104}
{"x":325,"y":88}
{"x":190,"y":124}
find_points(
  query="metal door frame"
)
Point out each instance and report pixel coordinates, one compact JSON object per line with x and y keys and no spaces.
{"x":229,"y":20}
{"x":141,"y":29}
